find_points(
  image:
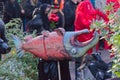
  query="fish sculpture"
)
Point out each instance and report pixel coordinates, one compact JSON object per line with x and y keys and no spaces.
{"x":56,"y":45}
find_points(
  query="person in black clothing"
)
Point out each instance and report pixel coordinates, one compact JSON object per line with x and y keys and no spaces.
{"x":12,"y":10}
{"x":46,"y":1}
{"x":2,"y":31}
{"x":67,"y":0}
{"x":4,"y":48}
{"x":3,"y":1}
{"x":35,"y":24}
{"x":51,"y":2}
{"x":1,"y":9}
{"x":69,"y":13}
{"x":48,"y":69}
{"x":64,"y":64}
{"x":29,"y":7}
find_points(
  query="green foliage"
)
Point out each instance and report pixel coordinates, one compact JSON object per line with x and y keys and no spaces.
{"x":52,"y":25}
{"x":15,"y":27}
{"x":111,"y":32}
{"x":109,"y":7}
{"x":12,"y":67}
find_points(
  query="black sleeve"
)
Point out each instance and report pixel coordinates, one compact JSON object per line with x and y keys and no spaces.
{"x":8,"y":12}
{"x":29,"y":11}
{"x":69,"y":13}
{"x":2,"y":33}
{"x":17,"y":10}
{"x":61,"y":20}
{"x":97,"y":57}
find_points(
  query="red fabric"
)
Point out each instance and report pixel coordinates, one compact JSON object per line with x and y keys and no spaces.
{"x":85,"y":13}
{"x":112,"y":55}
{"x":55,"y":6}
{"x":115,"y":6}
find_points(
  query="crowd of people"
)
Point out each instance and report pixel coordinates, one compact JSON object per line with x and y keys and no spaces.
{"x":72,"y":15}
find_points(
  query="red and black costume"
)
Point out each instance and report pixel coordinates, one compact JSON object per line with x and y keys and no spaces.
{"x":85,"y":14}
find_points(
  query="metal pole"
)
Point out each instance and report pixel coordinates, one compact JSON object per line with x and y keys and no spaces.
{"x":59,"y":74}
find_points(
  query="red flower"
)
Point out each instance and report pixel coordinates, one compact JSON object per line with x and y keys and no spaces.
{"x":53,"y":18}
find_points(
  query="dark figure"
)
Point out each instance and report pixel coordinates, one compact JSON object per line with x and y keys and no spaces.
{"x":1,"y":6}
{"x":40,"y":21}
{"x":29,"y":7}
{"x":12,"y":10}
{"x":69,"y":13}
{"x":49,"y":69}
{"x":67,"y":0}
{"x":2,"y":31}
{"x":64,"y":65}
{"x":46,"y":1}
{"x":3,"y":1}
{"x":49,"y":1}
{"x":4,"y":48}
{"x":35,"y":24}
{"x":46,"y":69}
{"x":1,"y":9}
{"x":99,"y":68}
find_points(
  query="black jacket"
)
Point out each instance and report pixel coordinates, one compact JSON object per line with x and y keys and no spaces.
{"x":12,"y":10}
{"x":35,"y":24}
{"x":61,"y":21}
{"x":48,"y":69}
{"x":48,"y":1}
{"x":40,"y":22}
{"x":29,"y":8}
{"x":2,"y":33}
{"x":3,"y":0}
{"x":69,"y":13}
